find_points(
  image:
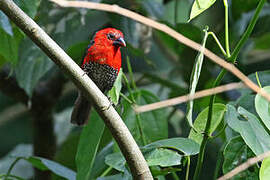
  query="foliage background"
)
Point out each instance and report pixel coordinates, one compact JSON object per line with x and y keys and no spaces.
{"x":161,"y":67}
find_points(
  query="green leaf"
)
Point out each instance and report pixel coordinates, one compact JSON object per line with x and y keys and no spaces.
{"x":262,"y":42}
{"x":200,"y":6}
{"x":183,"y":10}
{"x":123,"y":176}
{"x":184,"y":145}
{"x":235,"y":153}
{"x":88,"y":146}
{"x":9,"y":46}
{"x":242,"y":6}
{"x":114,"y":93}
{"x":146,"y":127}
{"x":29,"y":6}
{"x":4,"y":24}
{"x":200,"y":122}
{"x":76,"y":51}
{"x":249,"y":127}
{"x":194,"y":79}
{"x":265,"y":169}
{"x":263,"y":108}
{"x":32,"y":66}
{"x":58,"y":169}
{"x":163,"y":157}
{"x":116,"y":160}
{"x":99,"y":164}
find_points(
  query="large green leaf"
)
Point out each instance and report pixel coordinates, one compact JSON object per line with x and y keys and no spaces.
{"x":163,"y":157}
{"x":9,"y":46}
{"x":249,"y":127}
{"x":28,"y":6}
{"x":200,"y":122}
{"x":116,"y":160}
{"x":265,"y":169}
{"x":194,"y":79}
{"x":184,"y":145}
{"x":235,"y":153}
{"x":183,"y":10}
{"x":33,"y":65}
{"x":200,"y":6}
{"x":88,"y":146}
{"x":99,"y":164}
{"x":58,"y":169}
{"x":263,"y":108}
{"x":146,"y":127}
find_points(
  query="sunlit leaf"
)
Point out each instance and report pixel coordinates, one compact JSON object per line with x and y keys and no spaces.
{"x":263,"y":108}
{"x":265,"y":169}
{"x":200,"y":6}
{"x":200,"y":122}
{"x":114,"y":93}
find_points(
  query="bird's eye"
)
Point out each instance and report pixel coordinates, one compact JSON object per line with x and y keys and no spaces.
{"x":111,"y":36}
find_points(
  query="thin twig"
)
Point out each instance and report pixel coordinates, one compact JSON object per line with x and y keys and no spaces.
{"x":245,"y":165}
{"x":164,"y":28}
{"x":185,"y":98}
{"x":111,"y":118}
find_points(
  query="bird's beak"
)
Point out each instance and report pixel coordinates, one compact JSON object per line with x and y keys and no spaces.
{"x":119,"y":42}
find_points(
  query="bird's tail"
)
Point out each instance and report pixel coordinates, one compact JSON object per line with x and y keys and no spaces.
{"x":81,"y":111}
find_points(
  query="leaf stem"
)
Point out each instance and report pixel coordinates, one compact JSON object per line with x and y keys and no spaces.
{"x":175,"y":12}
{"x":227,"y":43}
{"x":133,"y":84}
{"x":218,"y":43}
{"x":207,"y":127}
{"x":106,"y":171}
{"x":11,"y":167}
{"x":258,"y":80}
{"x":188,"y":166}
{"x":138,"y":118}
{"x":175,"y":176}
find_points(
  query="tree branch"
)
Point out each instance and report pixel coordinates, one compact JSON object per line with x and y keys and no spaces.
{"x":185,"y":98}
{"x":113,"y":121}
{"x":164,"y":28}
{"x":245,"y":165}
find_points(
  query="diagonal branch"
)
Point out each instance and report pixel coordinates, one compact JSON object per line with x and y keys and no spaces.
{"x":185,"y":98}
{"x":113,"y":121}
{"x":164,"y":28}
{"x":245,"y":165}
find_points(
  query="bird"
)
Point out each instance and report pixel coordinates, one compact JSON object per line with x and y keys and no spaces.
{"x":101,"y":62}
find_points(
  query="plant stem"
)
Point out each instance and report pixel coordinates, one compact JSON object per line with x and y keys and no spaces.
{"x":138,"y":118}
{"x":175,"y":176}
{"x":217,"y":82}
{"x":247,"y":33}
{"x":188,"y":165}
{"x":218,"y":43}
{"x":207,"y":127}
{"x":175,"y":12}
{"x":106,"y":171}
{"x":219,"y":162}
{"x":227,"y":43}
{"x":131,"y":74}
{"x":11,"y":167}
{"x":258,"y":80}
